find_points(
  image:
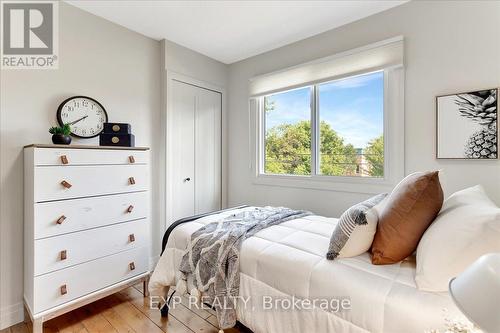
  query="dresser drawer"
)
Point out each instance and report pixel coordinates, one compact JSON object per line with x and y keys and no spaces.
{"x":56,"y":183}
{"x":59,"y":252}
{"x":68,"y":156}
{"x":70,"y":283}
{"x":61,"y":217}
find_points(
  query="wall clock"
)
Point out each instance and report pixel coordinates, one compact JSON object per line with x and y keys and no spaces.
{"x":85,"y":115}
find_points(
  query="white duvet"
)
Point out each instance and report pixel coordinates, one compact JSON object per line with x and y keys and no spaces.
{"x":289,"y":260}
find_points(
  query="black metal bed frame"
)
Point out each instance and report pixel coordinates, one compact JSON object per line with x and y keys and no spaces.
{"x":165,"y":308}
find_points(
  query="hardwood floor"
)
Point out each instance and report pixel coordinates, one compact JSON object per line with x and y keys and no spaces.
{"x":128,"y":311}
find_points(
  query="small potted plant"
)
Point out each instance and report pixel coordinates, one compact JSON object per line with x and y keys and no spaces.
{"x":60,"y":134}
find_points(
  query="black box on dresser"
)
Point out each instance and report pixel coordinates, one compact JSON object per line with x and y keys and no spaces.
{"x":119,"y":140}
{"x":118,"y":128}
{"x":117,"y":134}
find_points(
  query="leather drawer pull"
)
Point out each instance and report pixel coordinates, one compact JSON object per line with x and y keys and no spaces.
{"x":131,"y":266}
{"x":131,"y":159}
{"x":64,"y":289}
{"x":64,"y":159}
{"x":61,"y":219}
{"x":131,"y":238}
{"x":130,"y":209}
{"x":64,"y":255}
{"x":131,"y":181}
{"x":66,"y":184}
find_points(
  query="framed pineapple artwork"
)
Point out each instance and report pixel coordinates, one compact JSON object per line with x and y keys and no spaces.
{"x":467,"y":125}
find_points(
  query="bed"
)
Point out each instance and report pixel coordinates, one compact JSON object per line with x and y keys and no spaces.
{"x":287,"y":261}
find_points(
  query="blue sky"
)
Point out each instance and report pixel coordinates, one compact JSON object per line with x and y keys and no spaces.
{"x":353,"y":107}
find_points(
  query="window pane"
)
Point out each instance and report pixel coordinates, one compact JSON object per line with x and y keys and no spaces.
{"x":352,"y":126}
{"x":288,"y":132}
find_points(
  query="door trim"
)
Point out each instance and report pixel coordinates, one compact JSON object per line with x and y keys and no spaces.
{"x":167,"y":126}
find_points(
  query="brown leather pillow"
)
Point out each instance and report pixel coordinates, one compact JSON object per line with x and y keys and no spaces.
{"x":410,"y":209}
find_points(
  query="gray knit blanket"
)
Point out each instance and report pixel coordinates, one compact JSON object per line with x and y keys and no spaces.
{"x":212,"y":257}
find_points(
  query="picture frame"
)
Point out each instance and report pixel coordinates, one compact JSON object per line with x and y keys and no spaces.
{"x":467,"y":125}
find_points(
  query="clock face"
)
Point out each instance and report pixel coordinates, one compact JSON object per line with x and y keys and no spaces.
{"x":85,"y":115}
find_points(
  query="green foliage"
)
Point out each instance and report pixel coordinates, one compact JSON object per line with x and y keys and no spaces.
{"x":374,"y":154}
{"x":65,"y":129}
{"x":288,"y":151}
{"x":337,"y":158}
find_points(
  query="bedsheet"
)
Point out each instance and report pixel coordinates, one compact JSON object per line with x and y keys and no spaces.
{"x":283,"y":270}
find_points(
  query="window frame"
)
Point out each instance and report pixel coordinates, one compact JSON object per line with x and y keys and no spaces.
{"x":263,"y":128}
{"x":393,"y":131}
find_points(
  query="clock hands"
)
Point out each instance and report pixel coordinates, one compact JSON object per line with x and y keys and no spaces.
{"x":74,"y":122}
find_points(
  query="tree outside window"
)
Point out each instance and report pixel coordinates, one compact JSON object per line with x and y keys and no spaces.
{"x":350,"y":127}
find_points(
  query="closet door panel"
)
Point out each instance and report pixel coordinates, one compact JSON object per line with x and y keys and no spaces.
{"x":207,"y":151}
{"x":184,"y":107}
{"x":196,"y":150}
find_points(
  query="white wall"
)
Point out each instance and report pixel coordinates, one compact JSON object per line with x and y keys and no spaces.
{"x":195,"y":65}
{"x":449,"y":47}
{"x":116,"y":66}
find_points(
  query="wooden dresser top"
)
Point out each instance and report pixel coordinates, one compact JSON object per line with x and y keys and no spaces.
{"x":43,"y":145}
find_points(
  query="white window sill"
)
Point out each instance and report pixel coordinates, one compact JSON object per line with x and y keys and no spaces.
{"x":327,"y":183}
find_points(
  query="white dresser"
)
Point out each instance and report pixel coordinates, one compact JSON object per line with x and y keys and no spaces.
{"x":86,"y":225}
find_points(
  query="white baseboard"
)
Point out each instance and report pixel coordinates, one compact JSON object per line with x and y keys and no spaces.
{"x":11,"y":315}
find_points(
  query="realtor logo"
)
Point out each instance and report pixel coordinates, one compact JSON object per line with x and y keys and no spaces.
{"x":29,"y":34}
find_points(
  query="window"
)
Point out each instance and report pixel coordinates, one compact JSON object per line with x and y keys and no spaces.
{"x":334,"y":128}
{"x":334,"y":123}
{"x":351,"y":122}
{"x":288,"y":132}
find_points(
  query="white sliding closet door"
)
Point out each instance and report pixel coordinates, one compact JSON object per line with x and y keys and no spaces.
{"x":207,"y":149}
{"x":196,"y":150}
{"x":183,"y":113}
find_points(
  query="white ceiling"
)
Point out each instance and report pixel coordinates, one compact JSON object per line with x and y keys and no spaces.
{"x":230,"y":31}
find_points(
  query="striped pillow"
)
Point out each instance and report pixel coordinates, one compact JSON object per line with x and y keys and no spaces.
{"x":355,"y":230}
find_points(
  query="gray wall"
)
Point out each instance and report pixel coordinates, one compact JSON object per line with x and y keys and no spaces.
{"x":116,"y":66}
{"x":449,"y":47}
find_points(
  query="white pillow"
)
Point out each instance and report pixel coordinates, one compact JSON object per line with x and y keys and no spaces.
{"x":467,"y":227}
{"x":356,"y":229}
